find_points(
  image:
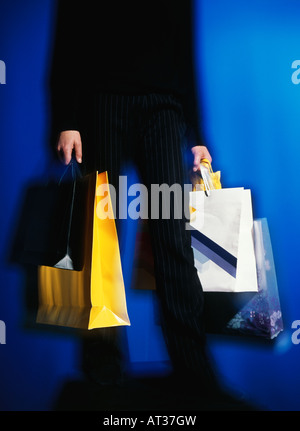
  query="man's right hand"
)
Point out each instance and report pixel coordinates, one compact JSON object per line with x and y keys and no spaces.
{"x":68,"y":141}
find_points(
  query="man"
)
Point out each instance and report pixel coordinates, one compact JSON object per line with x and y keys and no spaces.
{"x":123,"y":90}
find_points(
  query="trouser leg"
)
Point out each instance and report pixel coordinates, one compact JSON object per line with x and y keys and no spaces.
{"x":178,"y":285}
{"x":150,"y":130}
{"x":104,"y":350}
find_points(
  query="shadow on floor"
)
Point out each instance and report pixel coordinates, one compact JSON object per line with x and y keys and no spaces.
{"x":141,"y":394}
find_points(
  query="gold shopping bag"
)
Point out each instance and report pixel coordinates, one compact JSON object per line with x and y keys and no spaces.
{"x":95,"y":296}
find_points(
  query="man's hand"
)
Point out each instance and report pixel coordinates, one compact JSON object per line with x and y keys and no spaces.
{"x":200,"y":152}
{"x":68,"y":141}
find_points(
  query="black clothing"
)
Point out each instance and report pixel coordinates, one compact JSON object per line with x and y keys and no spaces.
{"x":142,"y":129}
{"x":124,"y":47}
{"x":123,"y":77}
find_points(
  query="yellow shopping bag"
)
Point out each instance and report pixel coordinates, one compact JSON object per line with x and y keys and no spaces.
{"x":94,"y":297}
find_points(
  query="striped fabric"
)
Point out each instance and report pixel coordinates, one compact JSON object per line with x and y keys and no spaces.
{"x":148,"y":130}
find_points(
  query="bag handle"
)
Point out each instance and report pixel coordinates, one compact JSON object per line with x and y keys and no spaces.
{"x":210,"y":178}
{"x":206,"y":179}
{"x":76,"y":172}
{"x":207,"y":162}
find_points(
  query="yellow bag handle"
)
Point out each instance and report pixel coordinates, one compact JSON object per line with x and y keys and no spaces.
{"x":213,"y":178}
{"x":207,"y":162}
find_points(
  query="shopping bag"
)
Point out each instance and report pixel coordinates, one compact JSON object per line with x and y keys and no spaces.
{"x":50,"y":230}
{"x":95,"y":296}
{"x":262,"y":315}
{"x":222,"y":240}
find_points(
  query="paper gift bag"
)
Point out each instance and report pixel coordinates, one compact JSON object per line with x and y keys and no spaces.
{"x":95,"y":296}
{"x":262,"y":315}
{"x":222,"y":240}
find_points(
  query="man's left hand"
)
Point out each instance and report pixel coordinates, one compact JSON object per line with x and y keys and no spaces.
{"x":200,"y":152}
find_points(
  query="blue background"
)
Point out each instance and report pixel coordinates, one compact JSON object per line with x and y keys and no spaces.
{"x":251,"y":117}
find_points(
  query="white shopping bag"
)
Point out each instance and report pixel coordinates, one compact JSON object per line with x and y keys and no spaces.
{"x":222,"y":240}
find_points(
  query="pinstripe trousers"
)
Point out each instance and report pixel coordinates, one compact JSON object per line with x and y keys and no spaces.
{"x":148,"y":130}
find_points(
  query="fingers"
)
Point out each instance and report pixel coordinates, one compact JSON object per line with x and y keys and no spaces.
{"x":205,"y":154}
{"x":65,"y":154}
{"x":196,"y":165}
{"x":78,"y":151}
{"x":200,"y":152}
{"x":68,"y":142}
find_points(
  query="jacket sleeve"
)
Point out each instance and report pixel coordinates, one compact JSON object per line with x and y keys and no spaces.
{"x":65,"y":70}
{"x":191,"y":98}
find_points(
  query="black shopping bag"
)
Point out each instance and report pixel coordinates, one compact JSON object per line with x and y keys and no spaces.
{"x":51,"y":225}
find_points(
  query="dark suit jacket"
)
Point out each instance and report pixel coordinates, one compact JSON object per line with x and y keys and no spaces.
{"x":121,"y":46}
